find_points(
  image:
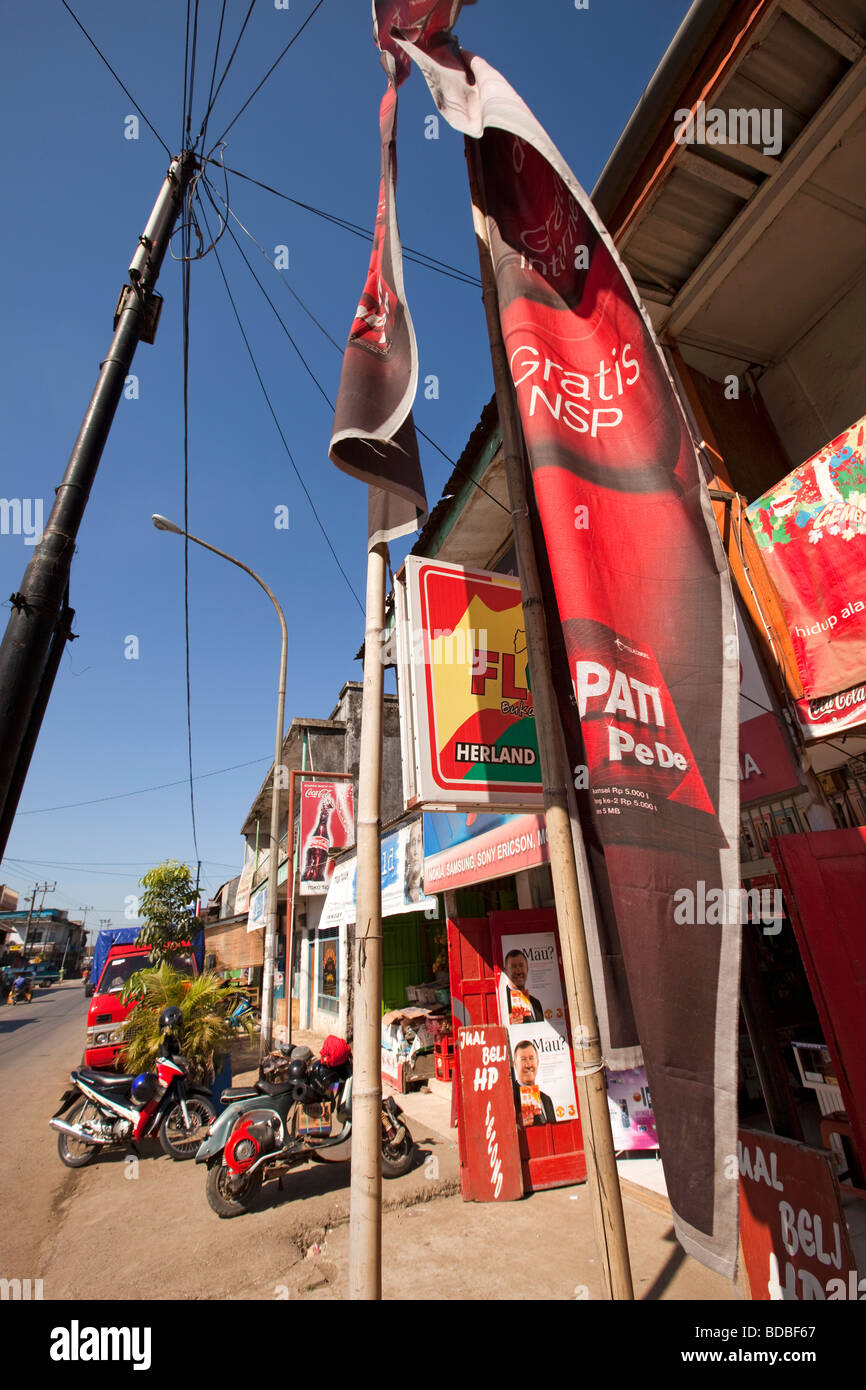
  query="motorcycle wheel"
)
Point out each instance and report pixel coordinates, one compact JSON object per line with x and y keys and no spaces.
{"x":176,"y":1140}
{"x":226,"y":1201}
{"x":397,"y":1159}
{"x":75,"y":1153}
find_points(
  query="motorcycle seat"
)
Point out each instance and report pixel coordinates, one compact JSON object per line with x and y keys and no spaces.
{"x":274,"y":1088}
{"x":238,"y":1093}
{"x":104,"y":1080}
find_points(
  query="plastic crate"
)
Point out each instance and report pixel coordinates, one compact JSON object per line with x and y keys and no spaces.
{"x":445,"y":1058}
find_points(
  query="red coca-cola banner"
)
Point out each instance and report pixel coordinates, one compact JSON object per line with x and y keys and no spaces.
{"x":646,"y":625}
{"x":327,"y":823}
{"x":811,"y":528}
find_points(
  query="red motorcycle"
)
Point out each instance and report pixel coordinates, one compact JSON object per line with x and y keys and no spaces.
{"x":117,"y":1111}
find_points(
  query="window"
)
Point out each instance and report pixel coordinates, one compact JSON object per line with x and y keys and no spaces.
{"x":328,"y":988}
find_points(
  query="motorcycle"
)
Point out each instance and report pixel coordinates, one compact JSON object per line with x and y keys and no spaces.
{"x":116,"y":1111}
{"x":20,"y":993}
{"x":275,"y":1125}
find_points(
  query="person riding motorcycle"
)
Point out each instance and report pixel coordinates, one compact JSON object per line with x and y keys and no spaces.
{"x":21,"y":985}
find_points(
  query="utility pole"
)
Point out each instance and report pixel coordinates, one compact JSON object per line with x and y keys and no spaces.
{"x":601,"y":1171}
{"x":42,"y":888}
{"x":365,"y":1204}
{"x":40,"y":623}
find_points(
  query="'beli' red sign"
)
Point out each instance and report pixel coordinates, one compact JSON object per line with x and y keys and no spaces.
{"x":492,"y":1153}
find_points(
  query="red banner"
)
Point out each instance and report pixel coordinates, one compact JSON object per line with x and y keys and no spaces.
{"x":811,"y":528}
{"x":646,"y":626}
{"x":374,"y":434}
{"x":327,"y":823}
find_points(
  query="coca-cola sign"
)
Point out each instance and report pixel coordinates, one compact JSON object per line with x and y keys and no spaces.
{"x":832,"y":713}
{"x":327,"y":823}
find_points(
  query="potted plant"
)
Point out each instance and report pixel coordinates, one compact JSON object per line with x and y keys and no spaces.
{"x":205,"y":1035}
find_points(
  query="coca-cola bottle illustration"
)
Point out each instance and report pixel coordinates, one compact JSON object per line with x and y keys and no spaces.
{"x":316,"y":858}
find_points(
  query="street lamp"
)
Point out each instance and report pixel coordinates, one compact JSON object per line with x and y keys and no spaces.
{"x":163,"y":524}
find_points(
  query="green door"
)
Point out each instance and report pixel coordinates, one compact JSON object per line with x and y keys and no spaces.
{"x":402,"y":958}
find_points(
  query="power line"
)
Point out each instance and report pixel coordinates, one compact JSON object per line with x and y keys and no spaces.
{"x":202,"y":134}
{"x":422,"y":258}
{"x":192,"y":74}
{"x":277,"y":423}
{"x":323,"y":330}
{"x":225,"y":70}
{"x":277,"y":61}
{"x":116,"y":78}
{"x":187,"y":240}
{"x":141,"y":791}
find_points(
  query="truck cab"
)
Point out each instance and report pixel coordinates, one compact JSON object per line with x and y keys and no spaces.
{"x":106,"y":1014}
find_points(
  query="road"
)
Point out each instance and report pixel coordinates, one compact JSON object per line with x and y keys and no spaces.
{"x":127,"y":1228}
{"x":39,"y":1044}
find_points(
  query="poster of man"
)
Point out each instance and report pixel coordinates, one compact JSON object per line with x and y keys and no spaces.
{"x":542,"y":1075}
{"x":530,"y":989}
{"x":533,"y":1106}
{"x":520,"y":1006}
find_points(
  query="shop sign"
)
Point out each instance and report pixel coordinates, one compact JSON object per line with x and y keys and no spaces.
{"x":831,"y":714}
{"x":811,"y":528}
{"x":402,"y":860}
{"x":794,"y":1236}
{"x":461,"y":848}
{"x":492,"y":1154}
{"x":765,"y":765}
{"x":258,"y":915}
{"x":327,"y":823}
{"x":464,"y":688}
{"x":242,"y":896}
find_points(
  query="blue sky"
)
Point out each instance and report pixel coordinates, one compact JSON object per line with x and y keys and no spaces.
{"x":78,"y":193}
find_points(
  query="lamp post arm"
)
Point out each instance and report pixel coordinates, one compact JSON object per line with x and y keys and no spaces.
{"x":270,"y":950}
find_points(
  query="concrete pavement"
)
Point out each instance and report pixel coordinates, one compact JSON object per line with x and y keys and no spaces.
{"x":124,"y":1228}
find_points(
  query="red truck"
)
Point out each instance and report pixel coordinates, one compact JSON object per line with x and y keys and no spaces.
{"x":106,"y":1015}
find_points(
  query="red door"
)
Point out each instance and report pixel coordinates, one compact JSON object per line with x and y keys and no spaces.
{"x":823,"y":877}
{"x":551,"y":1155}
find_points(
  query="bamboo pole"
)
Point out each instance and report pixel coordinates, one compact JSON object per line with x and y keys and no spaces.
{"x":365,"y":1205}
{"x":602,"y":1175}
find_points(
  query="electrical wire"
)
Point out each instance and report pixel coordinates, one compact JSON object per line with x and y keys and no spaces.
{"x":276,"y":62}
{"x":116,"y":78}
{"x":410,"y":253}
{"x":185,"y":310}
{"x":277,"y":423}
{"x":202,"y":134}
{"x":192,"y":76}
{"x":225,"y":72}
{"x":230,"y":213}
{"x":185,"y":76}
{"x":143,"y":791}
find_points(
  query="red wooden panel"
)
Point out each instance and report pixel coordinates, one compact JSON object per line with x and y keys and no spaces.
{"x":489,"y":1132}
{"x":553,"y":1155}
{"x":473,"y":1000}
{"x":795,"y":1239}
{"x":823,"y":877}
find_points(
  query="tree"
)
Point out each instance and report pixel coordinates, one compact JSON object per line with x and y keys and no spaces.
{"x":165,"y":905}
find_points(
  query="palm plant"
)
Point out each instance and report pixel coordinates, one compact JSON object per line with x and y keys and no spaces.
{"x":204,"y":1004}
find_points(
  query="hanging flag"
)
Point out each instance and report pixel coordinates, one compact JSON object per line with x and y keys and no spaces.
{"x":811,"y":527}
{"x":374,"y":433}
{"x":646,"y":624}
